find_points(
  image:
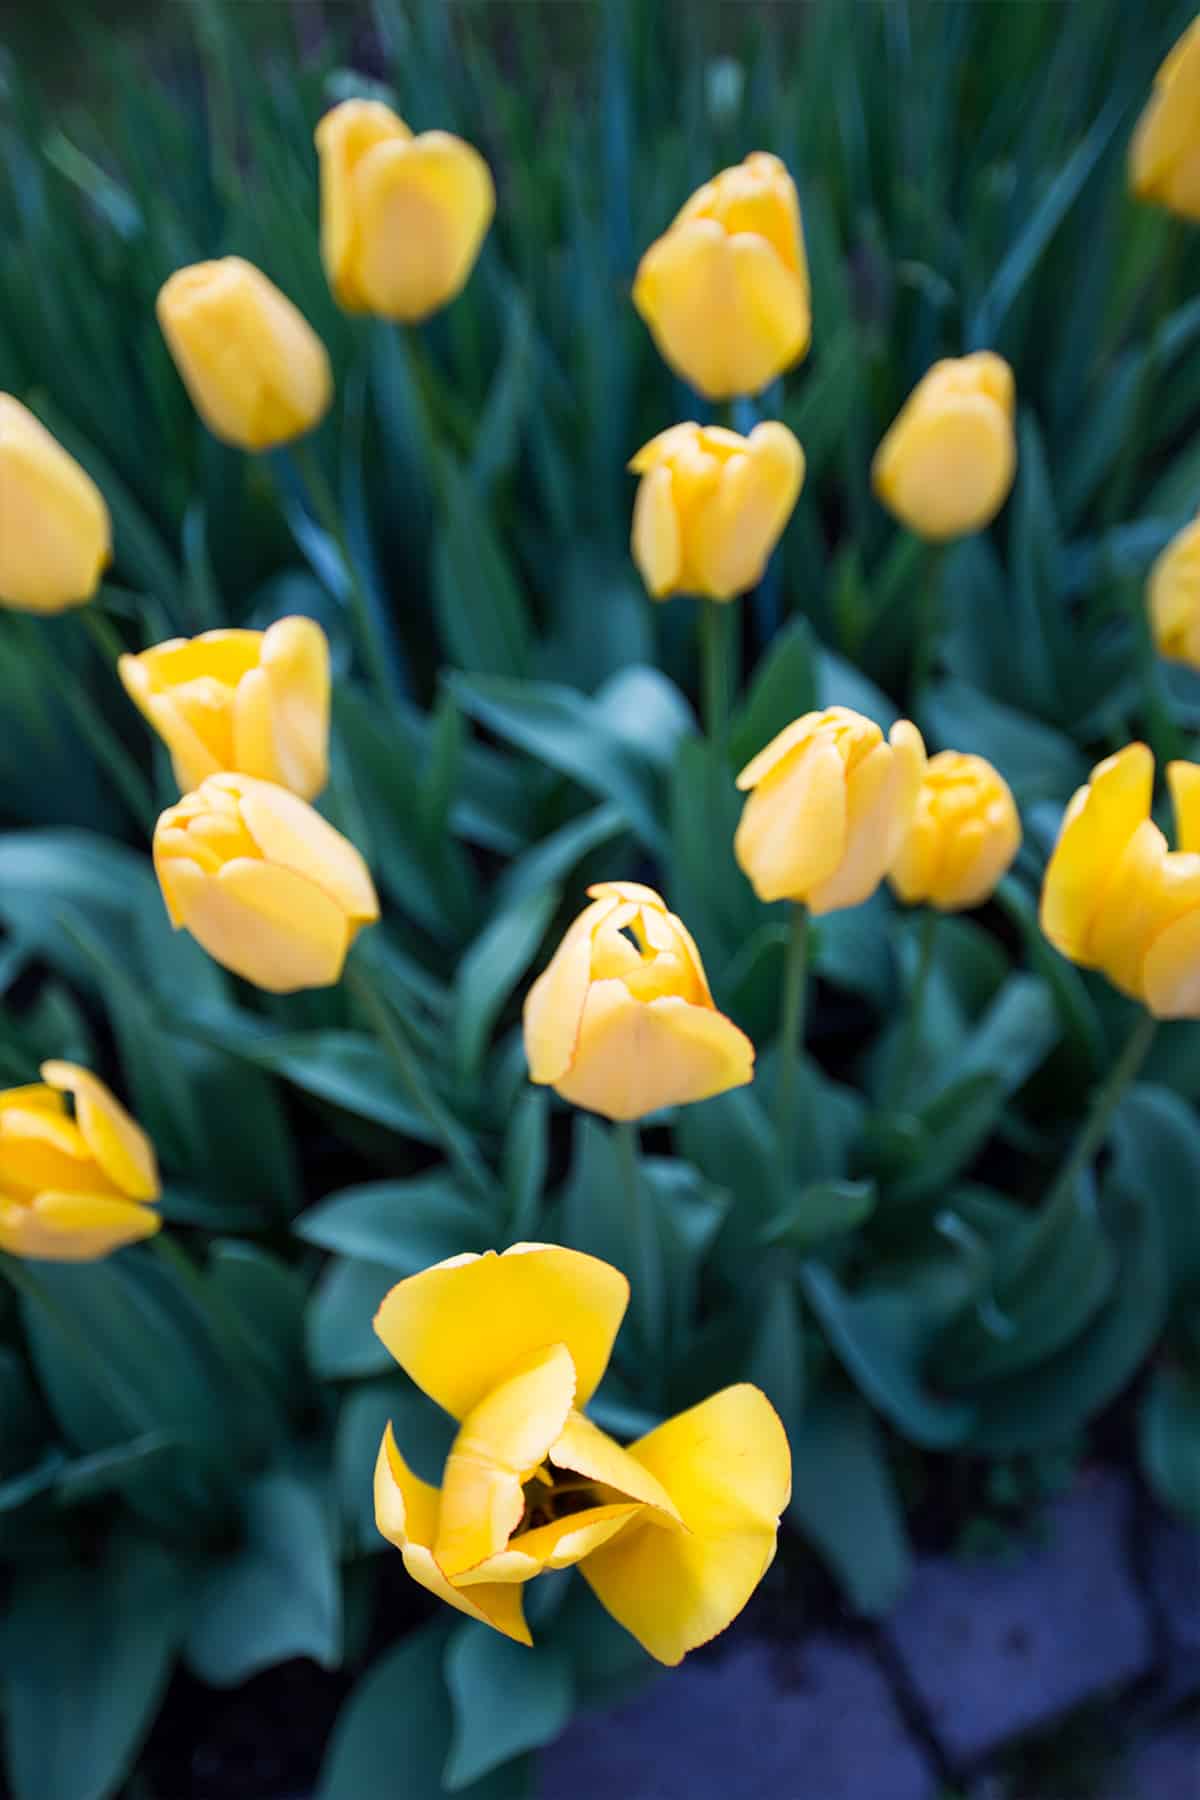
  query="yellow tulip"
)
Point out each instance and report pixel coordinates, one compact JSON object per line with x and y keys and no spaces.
{"x":725,"y":290}
{"x":622,"y":1021}
{"x":73,"y":1188}
{"x":256,"y":702}
{"x":1115,"y":898}
{"x":947,"y":463}
{"x":964,"y":835}
{"x":256,"y":370}
{"x":830,"y":804}
{"x":673,"y":1533}
{"x":1175,"y":597}
{"x":55,"y":533}
{"x":402,"y":217}
{"x":1164,"y":158}
{"x":711,"y":506}
{"x":263,"y":882}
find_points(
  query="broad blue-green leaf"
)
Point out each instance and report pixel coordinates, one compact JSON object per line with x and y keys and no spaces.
{"x":505,"y":1698}
{"x":345,"y":1300}
{"x":1169,"y":1427}
{"x":820,"y":1210}
{"x":845,"y":1501}
{"x":423,"y":1432}
{"x":401,"y":1225}
{"x":1156,"y":1149}
{"x":491,"y":968}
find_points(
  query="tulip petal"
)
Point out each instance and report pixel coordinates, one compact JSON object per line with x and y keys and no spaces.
{"x":732,"y":536}
{"x":791,"y":836}
{"x":945,"y":467}
{"x":292,"y":836}
{"x":635,"y":1058}
{"x":1098,"y":823}
{"x":423,"y":209}
{"x":655,"y":540}
{"x":586,"y":1450}
{"x":43,"y":1149}
{"x":78,"y":1227}
{"x":295,"y":660}
{"x":728,"y":1466}
{"x":223,"y":656}
{"x":682,"y":291}
{"x":267,"y":924}
{"x":55,"y":531}
{"x":343,"y":137}
{"x":117,"y":1142}
{"x":773,"y":312}
{"x":406,"y":1513}
{"x":1171,"y":970}
{"x":1132,"y":909}
{"x":1183,"y":780}
{"x":558,"y":1545}
{"x":554,"y":1005}
{"x":457,"y":1326}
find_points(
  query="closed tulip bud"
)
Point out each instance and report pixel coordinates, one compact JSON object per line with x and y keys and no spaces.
{"x":725,"y":290}
{"x":1115,"y":898}
{"x":74,"y":1184}
{"x":256,"y":370}
{"x":672,"y":1533}
{"x":402,"y":217}
{"x":55,"y":534}
{"x":964,"y":835}
{"x":946,"y":465}
{"x":830,"y":804}
{"x":254,"y":702}
{"x":1164,"y":158}
{"x":269,"y":889}
{"x":711,"y":506}
{"x":622,"y":1021}
{"x":1175,"y":597}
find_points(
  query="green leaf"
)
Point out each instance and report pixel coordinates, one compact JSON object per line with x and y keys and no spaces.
{"x":341,"y":1341}
{"x":820,"y":1210}
{"x":525,"y":1161}
{"x":1156,"y":1149}
{"x":847,"y":1504}
{"x":400,"y":1225}
{"x":1169,"y":1428}
{"x":423,"y":1432}
{"x":1036,"y":760}
{"x":480,"y":607}
{"x":505,"y":1698}
{"x":491,"y":968}
{"x":784,"y":687}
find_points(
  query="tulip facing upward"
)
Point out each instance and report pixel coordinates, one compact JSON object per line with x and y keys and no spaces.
{"x":72,"y":1189}
{"x":725,"y":290}
{"x":402,"y":217}
{"x":1175,"y":597}
{"x":1164,"y":158}
{"x":622,"y":1021}
{"x":256,"y":370}
{"x":673,"y":1534}
{"x":263,"y":882}
{"x":964,"y":835}
{"x":55,"y":533}
{"x":830,"y":805}
{"x":1116,"y":899}
{"x":711,"y":506}
{"x":255,"y":702}
{"x":947,"y":463}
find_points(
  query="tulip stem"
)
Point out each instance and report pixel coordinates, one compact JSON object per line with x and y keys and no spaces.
{"x":791,"y":1033}
{"x":904,"y":1061}
{"x":324,"y":504}
{"x":644,"y":1245}
{"x":715,"y":656}
{"x":929,"y":619}
{"x":1107,"y":1098}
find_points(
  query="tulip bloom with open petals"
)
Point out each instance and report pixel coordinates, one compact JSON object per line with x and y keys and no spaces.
{"x":1164,"y":158}
{"x":947,"y":462}
{"x":74,"y":1186}
{"x":1115,"y":898}
{"x":1174,"y":597}
{"x":257,"y":372}
{"x":622,"y":1021}
{"x":725,"y":290}
{"x":402,"y":217}
{"x":55,"y":532}
{"x":829,"y":807}
{"x":673,"y":1533}
{"x":263,"y":882}
{"x":964,"y":835}
{"x":256,"y":702}
{"x":711,"y":506}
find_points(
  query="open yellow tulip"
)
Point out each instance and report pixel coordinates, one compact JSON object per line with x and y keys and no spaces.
{"x":673,"y":1533}
{"x":1174,"y":597}
{"x":622,"y":1021}
{"x":725,"y":290}
{"x":1164,"y":158}
{"x":830,"y":806}
{"x":964,"y":835}
{"x":72,"y":1189}
{"x":711,"y":506}
{"x":263,"y":882}
{"x":255,"y":702}
{"x":947,"y":462}
{"x":55,"y":532}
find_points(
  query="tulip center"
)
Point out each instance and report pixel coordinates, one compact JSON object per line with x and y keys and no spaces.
{"x":550,"y":1495}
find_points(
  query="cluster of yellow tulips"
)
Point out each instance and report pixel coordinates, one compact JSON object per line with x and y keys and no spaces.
{"x":675,"y":1532}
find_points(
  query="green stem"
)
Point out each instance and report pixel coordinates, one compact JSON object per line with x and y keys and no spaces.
{"x":329,"y":515}
{"x":791,"y":1033}
{"x":929,"y":619}
{"x":715,"y":655}
{"x":95,"y":730}
{"x":1104,"y":1105}
{"x":216,"y":1312}
{"x":99,"y":1374}
{"x":459,"y":1147}
{"x":904,"y":1060}
{"x":645,"y":1250}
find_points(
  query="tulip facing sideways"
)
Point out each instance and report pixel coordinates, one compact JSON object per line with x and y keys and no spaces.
{"x":829,"y":807}
{"x":673,"y":1534}
{"x":725,"y":290}
{"x":1164,"y":158}
{"x":1174,"y":597}
{"x":263,"y":882}
{"x":256,"y":370}
{"x":964,"y":835}
{"x":255,"y":702}
{"x":1115,"y":898}
{"x":947,"y":463}
{"x":622,"y":1021}
{"x":55,"y":532}
{"x":402,"y":217}
{"x":711,"y":506}
{"x":72,"y":1188}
